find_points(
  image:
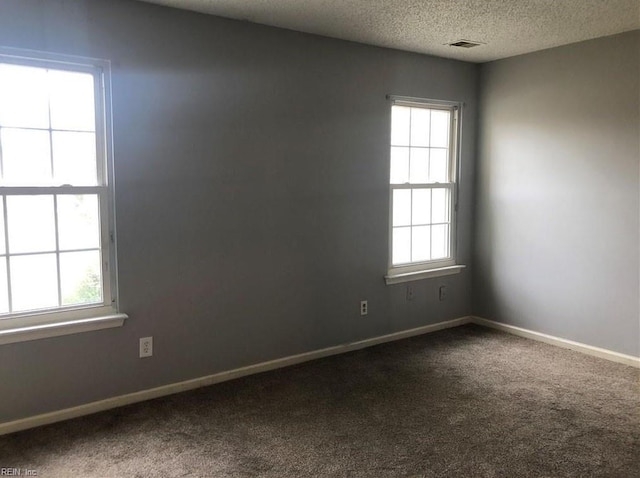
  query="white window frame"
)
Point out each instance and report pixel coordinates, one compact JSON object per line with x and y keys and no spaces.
{"x":65,"y":320}
{"x":437,"y":267}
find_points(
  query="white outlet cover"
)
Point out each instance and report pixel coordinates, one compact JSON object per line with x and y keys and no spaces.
{"x":364,"y":307}
{"x":146,"y":347}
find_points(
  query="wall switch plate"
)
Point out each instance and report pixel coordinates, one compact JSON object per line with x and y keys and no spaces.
{"x":146,"y":347}
{"x":364,"y":307}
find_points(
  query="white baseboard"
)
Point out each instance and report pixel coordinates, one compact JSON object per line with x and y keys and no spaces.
{"x":119,"y":401}
{"x":114,"y":402}
{"x":559,"y":342}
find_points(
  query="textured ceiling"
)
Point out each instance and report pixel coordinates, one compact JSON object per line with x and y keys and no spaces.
{"x":506,"y":27}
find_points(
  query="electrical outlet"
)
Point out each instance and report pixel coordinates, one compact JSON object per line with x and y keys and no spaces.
{"x":410,"y":292}
{"x":364,"y":307}
{"x":442,"y":293}
{"x":146,"y":347}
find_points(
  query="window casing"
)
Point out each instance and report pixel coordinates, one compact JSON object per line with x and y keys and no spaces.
{"x":57,"y":227}
{"x":423,"y":185}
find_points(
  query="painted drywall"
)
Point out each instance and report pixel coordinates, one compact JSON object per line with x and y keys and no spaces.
{"x":251,"y":170}
{"x":557,"y":217}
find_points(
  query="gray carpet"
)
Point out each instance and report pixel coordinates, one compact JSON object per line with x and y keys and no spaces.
{"x":468,"y":402}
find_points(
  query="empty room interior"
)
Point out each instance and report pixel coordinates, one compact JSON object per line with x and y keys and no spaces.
{"x":319,"y":238}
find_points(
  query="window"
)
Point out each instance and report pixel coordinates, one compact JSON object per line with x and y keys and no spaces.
{"x":57,"y":257}
{"x":424,"y":143}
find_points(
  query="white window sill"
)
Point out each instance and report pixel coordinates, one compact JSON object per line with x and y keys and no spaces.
{"x":426,"y":274}
{"x":34,"y":332}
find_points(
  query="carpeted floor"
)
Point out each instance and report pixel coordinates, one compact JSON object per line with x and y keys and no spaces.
{"x":464,"y":402}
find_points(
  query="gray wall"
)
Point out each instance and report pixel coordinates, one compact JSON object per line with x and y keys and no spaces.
{"x":557,"y":187}
{"x":251,"y":195}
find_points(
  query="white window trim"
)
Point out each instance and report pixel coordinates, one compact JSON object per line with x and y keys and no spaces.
{"x":434,"y":268}
{"x":70,"y":320}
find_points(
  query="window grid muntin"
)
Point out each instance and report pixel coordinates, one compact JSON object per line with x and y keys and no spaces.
{"x":449,"y":220}
{"x":100,"y":178}
{"x":452,"y":145}
{"x":105,"y":219}
{"x":99,"y":127}
{"x":57,"y":251}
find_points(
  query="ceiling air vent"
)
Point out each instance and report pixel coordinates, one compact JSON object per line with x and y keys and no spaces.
{"x":465,"y":44}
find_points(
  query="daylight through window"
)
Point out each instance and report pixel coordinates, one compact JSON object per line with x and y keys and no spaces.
{"x":54,"y":191}
{"x":423,"y":148}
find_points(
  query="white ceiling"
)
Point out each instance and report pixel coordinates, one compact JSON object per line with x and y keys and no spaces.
{"x":506,"y":27}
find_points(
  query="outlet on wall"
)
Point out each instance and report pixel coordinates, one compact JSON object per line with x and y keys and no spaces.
{"x":364,"y":307}
{"x":146,"y":347}
{"x":410,"y":292}
{"x":442,"y":293}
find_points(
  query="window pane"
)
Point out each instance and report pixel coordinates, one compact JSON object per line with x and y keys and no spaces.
{"x":420,"y":243}
{"x":420,"y":126}
{"x":26,"y":157}
{"x":438,"y":165}
{"x":440,"y":242}
{"x":78,"y":221}
{"x":23,"y":96}
{"x":421,"y":206}
{"x":3,"y":249}
{"x":440,"y":128}
{"x":34,"y":282}
{"x":401,"y":252}
{"x":400,"y":119}
{"x":419,"y":170}
{"x":74,"y":158}
{"x":402,"y":207}
{"x":72,"y":100}
{"x":31,"y":224}
{"x":439,"y":206}
{"x":4,"y":291}
{"x":399,"y":165}
{"x":80,"y":278}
